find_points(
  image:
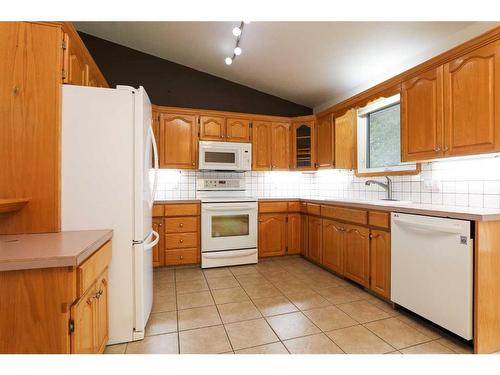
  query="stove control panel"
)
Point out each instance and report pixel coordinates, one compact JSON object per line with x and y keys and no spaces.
{"x":220,"y":184}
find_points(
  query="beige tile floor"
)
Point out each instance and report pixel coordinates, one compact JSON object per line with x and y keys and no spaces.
{"x":279,"y":306}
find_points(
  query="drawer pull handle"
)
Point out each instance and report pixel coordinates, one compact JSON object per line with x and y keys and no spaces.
{"x":181,"y":257}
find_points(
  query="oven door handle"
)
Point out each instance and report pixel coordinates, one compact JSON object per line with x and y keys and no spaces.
{"x":229,"y":254}
{"x":232,"y":208}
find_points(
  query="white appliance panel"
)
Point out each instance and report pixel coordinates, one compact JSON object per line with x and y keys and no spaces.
{"x":99,"y":190}
{"x":228,"y":258}
{"x":231,"y":156}
{"x":432,"y":269}
{"x":231,"y":225}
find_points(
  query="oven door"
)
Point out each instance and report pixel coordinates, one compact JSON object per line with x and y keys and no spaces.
{"x":228,"y":226}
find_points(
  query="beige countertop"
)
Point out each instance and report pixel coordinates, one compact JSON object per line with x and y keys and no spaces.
{"x":48,"y":250}
{"x":455,"y":212}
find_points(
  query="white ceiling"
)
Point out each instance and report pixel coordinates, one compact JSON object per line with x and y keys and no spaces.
{"x":311,"y":63}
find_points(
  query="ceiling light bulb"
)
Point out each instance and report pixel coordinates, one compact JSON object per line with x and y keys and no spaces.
{"x":237,"y":51}
{"x":236,"y":31}
{"x":229,"y":61}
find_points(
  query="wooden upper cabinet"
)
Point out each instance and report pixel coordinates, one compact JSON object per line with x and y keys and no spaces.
{"x":333,"y":246}
{"x":293,"y":240}
{"x":179,"y":141}
{"x":380,"y":262}
{"x":345,"y":140}
{"x":272,"y":234}
{"x":422,"y":116}
{"x":303,"y":145}
{"x":324,"y":142}
{"x":357,"y":254}
{"x":280,"y":146}
{"x":237,"y":130}
{"x":315,"y":241}
{"x":212,"y":128}
{"x":261,"y":146}
{"x":472,"y":102}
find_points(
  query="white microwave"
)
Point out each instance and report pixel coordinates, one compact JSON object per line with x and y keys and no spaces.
{"x":225,"y":156}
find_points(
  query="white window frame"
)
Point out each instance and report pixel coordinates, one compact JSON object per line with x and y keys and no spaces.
{"x":362,"y":135}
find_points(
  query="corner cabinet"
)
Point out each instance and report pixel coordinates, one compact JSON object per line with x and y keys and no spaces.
{"x":303,"y":145}
{"x":472,"y":102}
{"x":178,"y":141}
{"x":325,"y":154}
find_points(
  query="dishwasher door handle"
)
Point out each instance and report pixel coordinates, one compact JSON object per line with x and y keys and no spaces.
{"x":428,"y":227}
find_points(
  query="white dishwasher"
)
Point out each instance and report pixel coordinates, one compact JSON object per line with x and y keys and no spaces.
{"x":432,"y":269}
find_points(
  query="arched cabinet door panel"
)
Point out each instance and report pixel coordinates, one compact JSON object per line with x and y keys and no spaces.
{"x":471,"y":104}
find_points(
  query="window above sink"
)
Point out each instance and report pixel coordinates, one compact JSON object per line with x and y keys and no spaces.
{"x":379,"y":139}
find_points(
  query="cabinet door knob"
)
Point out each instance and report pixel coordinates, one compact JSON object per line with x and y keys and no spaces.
{"x":181,"y":257}
{"x":437,"y":149}
{"x":193,"y":162}
{"x":181,"y":225}
{"x":181,"y":241}
{"x":228,"y":136}
{"x":445,"y":148}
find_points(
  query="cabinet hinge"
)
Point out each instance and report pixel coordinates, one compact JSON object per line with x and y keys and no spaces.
{"x":71,"y":326}
{"x":286,"y":249}
{"x":64,"y":45}
{"x":63,"y":74}
{"x":251,"y":124}
{"x":159,"y":117}
{"x":286,"y":219}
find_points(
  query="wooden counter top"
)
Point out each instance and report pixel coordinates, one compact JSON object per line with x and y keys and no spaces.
{"x":48,"y":250}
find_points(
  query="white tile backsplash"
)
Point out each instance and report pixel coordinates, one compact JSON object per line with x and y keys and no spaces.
{"x":465,"y":182}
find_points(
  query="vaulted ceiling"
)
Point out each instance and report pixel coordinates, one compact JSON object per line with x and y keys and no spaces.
{"x":311,"y":63}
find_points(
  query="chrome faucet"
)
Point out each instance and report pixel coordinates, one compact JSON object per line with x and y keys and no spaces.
{"x":387,"y":186}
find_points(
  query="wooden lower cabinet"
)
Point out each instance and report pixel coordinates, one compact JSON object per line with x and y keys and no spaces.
{"x":179,"y":228}
{"x":89,"y":317}
{"x":380,"y":262}
{"x":304,"y":237}
{"x":315,"y":242}
{"x":272,"y":234}
{"x":58,"y":310}
{"x":333,"y":246}
{"x":293,"y":238}
{"x":157,"y":224}
{"x":357,"y":254}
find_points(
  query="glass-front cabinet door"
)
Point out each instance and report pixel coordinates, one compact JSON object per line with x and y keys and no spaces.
{"x":303,"y":145}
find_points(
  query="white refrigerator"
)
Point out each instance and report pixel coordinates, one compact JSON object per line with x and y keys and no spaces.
{"x":107,"y":151}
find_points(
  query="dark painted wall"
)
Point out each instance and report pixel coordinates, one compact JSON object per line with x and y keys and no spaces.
{"x":171,"y":84}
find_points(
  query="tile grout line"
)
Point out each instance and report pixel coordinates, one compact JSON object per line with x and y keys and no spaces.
{"x":218,"y":312}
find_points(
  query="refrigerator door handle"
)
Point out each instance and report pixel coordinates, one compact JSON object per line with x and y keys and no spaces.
{"x":156,"y":166}
{"x":152,"y":243}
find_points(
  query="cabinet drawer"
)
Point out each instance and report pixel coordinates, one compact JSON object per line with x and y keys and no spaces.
{"x":346,"y":214}
{"x":293,"y":206}
{"x":181,"y":240}
{"x":379,"y":219}
{"x":313,"y":209}
{"x":158,"y":210}
{"x":181,"y":256}
{"x":184,"y":209}
{"x":303,"y":207}
{"x":273,"y":207}
{"x":181,"y":224}
{"x":88,"y":272}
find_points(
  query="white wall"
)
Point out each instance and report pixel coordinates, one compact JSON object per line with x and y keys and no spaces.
{"x":461,"y":182}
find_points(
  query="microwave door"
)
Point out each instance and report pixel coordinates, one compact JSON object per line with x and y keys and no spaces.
{"x":220,"y":158}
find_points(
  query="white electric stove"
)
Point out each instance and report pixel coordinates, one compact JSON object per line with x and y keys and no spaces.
{"x":228,"y":223}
